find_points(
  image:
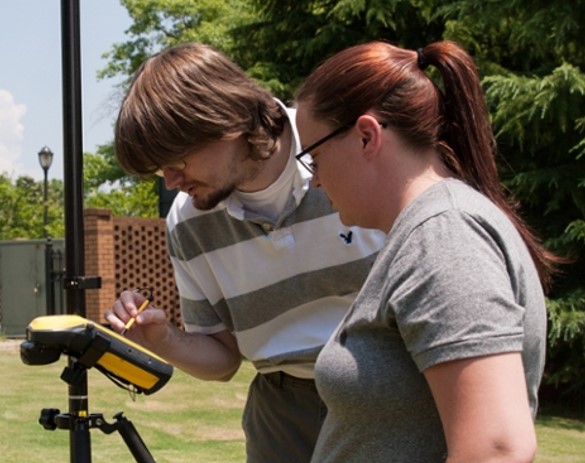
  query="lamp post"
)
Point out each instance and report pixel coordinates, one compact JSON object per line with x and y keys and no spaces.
{"x":46,"y":159}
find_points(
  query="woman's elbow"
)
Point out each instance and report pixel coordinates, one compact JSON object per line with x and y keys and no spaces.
{"x":516,"y":450}
{"x":519,"y":450}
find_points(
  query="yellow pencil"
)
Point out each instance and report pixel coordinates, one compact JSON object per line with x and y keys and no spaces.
{"x":131,"y":322}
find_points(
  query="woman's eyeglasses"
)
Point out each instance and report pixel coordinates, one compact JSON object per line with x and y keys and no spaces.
{"x":307,"y":151}
{"x":309,"y":165}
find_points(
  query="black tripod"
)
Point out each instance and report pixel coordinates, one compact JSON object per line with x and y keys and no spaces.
{"x":79,"y":422}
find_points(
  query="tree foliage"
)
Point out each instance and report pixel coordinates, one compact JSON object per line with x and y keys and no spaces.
{"x":105,"y":186}
{"x":291,"y":37}
{"x":22,"y":211}
{"x":158,"y":24}
{"x":127,"y":199}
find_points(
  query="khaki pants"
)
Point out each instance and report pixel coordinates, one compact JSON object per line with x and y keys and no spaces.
{"x":282,"y":419}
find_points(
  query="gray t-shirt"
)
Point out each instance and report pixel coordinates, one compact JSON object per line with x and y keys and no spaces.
{"x":454,"y":280}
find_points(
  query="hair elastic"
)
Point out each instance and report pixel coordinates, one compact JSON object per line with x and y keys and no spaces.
{"x":422,"y":59}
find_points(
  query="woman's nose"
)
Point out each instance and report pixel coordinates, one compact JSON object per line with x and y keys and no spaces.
{"x":315,"y":181}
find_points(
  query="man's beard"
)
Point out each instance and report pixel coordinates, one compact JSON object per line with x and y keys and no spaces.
{"x":213,"y":199}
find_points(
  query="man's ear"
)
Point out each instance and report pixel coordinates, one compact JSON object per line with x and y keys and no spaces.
{"x":370,"y":132}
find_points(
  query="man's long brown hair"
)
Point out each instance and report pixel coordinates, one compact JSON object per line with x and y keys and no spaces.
{"x":186,"y":97}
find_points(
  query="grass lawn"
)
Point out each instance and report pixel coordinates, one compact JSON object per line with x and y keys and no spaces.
{"x":560,"y":440}
{"x":187,"y":421}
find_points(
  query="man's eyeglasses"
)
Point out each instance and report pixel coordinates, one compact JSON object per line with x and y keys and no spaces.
{"x":306,"y":152}
{"x":176,"y":165}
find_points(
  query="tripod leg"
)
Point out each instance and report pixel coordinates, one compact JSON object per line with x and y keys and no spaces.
{"x":133,"y":440}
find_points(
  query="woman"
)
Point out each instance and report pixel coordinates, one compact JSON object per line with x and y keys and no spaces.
{"x":441,"y":355}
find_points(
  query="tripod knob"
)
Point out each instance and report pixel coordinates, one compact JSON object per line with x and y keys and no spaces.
{"x":47,"y":419}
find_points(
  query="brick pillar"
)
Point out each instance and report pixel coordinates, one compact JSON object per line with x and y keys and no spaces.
{"x":99,"y":261}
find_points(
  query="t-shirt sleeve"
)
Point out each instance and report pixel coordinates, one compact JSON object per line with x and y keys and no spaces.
{"x":451,"y":292}
{"x":198,"y":311}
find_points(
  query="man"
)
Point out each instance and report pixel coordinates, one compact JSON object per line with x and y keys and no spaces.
{"x":264,"y":268}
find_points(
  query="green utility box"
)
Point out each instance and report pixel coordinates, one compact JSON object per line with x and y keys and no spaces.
{"x":23,"y":285}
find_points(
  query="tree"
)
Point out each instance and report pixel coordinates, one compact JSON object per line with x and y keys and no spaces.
{"x":22,"y":212}
{"x":291,"y":37}
{"x":106,"y":185}
{"x":128,"y":200}
{"x":158,"y":24}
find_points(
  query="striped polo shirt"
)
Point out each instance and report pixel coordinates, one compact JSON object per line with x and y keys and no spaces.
{"x":280,"y":287}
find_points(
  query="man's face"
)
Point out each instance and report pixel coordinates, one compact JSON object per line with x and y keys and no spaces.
{"x":213,"y":172}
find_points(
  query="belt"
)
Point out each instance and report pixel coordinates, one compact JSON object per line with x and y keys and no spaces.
{"x":282,"y":379}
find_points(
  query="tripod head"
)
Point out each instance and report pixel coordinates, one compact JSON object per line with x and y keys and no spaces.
{"x":126,"y":363}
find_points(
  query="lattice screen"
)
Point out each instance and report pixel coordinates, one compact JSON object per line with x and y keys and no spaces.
{"x":141,"y":261}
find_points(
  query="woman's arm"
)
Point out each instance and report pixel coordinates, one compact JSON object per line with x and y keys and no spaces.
{"x":483,"y":405}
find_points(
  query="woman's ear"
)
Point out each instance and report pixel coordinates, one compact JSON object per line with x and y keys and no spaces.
{"x":370,"y":132}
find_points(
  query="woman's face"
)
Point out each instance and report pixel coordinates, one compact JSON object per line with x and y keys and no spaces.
{"x":333,"y":164}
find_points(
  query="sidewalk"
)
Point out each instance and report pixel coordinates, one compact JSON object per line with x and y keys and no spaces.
{"x":10,"y":345}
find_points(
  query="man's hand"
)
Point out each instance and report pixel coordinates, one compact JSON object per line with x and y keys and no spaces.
{"x":151,"y":325}
{"x":209,"y":357}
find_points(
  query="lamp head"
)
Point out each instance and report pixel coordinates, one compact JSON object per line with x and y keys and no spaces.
{"x":45,"y":157}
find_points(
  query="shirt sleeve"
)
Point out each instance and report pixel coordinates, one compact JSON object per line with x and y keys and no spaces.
{"x":197,"y":310}
{"x":451,"y":293}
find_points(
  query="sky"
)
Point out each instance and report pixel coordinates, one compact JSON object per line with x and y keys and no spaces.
{"x":31,"y":113}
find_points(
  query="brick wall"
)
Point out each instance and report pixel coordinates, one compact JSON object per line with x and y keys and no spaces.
{"x":127,"y":253}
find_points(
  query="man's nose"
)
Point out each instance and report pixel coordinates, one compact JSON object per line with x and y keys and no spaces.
{"x":172,"y":177}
